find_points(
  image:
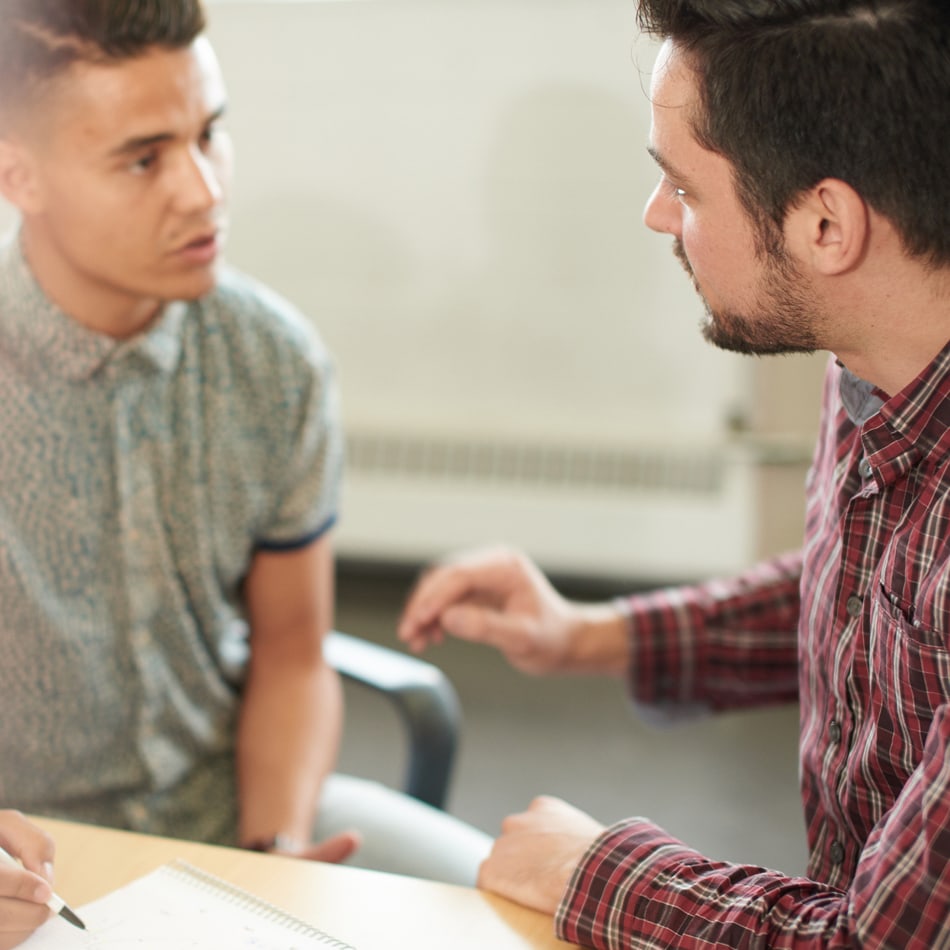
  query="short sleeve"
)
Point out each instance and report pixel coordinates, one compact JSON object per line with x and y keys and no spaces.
{"x":307,"y":502}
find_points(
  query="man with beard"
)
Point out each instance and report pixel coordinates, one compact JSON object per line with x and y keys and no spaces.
{"x":802,"y":146}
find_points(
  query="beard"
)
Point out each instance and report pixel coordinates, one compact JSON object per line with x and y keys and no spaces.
{"x":784,"y":317}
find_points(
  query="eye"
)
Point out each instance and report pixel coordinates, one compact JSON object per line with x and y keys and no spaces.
{"x":208,"y":135}
{"x":144,"y":163}
{"x":672,"y":190}
{"x":675,"y":191}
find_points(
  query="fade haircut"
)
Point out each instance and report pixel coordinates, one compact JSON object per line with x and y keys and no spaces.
{"x":794,"y":91}
{"x":41,"y":39}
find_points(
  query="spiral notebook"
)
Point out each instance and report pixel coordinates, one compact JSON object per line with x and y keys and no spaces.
{"x":180,"y":906}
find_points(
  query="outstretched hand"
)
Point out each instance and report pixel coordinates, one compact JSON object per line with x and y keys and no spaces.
{"x":500,"y":598}
{"x":534,"y":857}
{"x":497,"y":597}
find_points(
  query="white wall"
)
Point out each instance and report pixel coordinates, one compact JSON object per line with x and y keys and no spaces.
{"x":453,"y":189}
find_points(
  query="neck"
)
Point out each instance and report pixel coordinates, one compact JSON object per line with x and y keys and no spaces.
{"x":92,"y":303}
{"x":895,"y":321}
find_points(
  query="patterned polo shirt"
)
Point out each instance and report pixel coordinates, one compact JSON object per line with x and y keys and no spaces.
{"x":858,"y":625}
{"x":137,"y":479}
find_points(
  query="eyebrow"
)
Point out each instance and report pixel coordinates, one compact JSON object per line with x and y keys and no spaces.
{"x":139,"y":142}
{"x":666,"y":167}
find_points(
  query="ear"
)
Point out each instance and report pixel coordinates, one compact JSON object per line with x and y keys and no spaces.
{"x":830,"y":227}
{"x":19,"y":182}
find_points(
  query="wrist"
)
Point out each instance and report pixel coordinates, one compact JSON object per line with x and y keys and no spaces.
{"x":273,"y":844}
{"x":600,"y":641}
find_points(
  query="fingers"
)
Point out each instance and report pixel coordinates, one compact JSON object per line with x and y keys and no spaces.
{"x":437,"y":590}
{"x":542,"y":809}
{"x":532,"y":860}
{"x":487,"y":574}
{"x":23,"y":890}
{"x":20,"y":917}
{"x":34,"y":849}
{"x":486,"y":625}
{"x":21,"y":885}
{"x":28,"y":843}
{"x":23,"y":897}
{"x":333,"y":850}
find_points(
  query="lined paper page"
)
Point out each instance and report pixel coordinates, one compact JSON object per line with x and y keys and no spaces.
{"x":180,"y":906}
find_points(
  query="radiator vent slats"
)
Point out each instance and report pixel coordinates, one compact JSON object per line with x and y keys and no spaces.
{"x":547,"y":466}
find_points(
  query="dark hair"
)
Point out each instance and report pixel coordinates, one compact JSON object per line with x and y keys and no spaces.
{"x":41,"y":39}
{"x":794,"y":91}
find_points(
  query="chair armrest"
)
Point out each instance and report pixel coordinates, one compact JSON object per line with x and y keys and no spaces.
{"x":424,"y":698}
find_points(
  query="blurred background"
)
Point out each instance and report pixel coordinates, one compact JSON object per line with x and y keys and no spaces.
{"x":452,"y":190}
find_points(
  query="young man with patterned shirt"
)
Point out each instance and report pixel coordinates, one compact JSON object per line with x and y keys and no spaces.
{"x":170,"y":457}
{"x":802,"y":145}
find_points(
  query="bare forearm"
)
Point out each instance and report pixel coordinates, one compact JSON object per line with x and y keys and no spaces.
{"x":288,"y":741}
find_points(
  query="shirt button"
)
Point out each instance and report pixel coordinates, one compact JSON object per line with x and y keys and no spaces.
{"x":837,"y":852}
{"x":864,"y":468}
{"x":834,"y":731}
{"x":853,"y":605}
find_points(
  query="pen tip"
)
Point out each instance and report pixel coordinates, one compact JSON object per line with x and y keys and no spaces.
{"x":67,"y":914}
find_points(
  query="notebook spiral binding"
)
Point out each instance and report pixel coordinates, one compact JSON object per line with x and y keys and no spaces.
{"x":233,"y":894}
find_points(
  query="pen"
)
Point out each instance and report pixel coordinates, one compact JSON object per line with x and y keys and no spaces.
{"x":56,"y":904}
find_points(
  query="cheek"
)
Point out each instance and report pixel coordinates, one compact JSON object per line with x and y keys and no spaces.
{"x":721,"y":259}
{"x":97,"y":223}
{"x":696,"y":245}
{"x":91,"y":198}
{"x":75,"y":212}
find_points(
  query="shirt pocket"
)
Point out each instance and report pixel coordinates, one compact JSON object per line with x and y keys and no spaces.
{"x":910,"y":671}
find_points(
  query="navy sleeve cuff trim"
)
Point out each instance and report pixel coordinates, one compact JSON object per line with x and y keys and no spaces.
{"x":295,"y":544}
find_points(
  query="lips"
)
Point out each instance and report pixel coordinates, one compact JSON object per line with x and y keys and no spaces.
{"x":199,"y":240}
{"x":200,"y":249}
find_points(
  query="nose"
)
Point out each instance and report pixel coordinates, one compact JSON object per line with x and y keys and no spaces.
{"x":199,"y":187}
{"x":663,"y":213}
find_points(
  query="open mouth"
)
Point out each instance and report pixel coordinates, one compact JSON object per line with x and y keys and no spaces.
{"x":202,"y":250}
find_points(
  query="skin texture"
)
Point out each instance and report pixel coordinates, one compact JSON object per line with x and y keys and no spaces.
{"x":23,"y":892}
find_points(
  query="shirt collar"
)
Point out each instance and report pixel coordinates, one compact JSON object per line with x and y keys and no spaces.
{"x":914,"y":423}
{"x":36,"y":330}
{"x":859,"y":397}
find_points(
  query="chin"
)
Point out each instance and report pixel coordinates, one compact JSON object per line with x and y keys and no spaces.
{"x":195,"y":286}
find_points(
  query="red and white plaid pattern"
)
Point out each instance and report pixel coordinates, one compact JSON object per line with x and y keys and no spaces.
{"x":870,"y":662}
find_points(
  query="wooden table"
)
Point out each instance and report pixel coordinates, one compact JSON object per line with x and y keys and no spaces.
{"x":368,"y":909}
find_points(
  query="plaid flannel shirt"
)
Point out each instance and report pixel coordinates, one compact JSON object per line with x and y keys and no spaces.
{"x":870,"y":597}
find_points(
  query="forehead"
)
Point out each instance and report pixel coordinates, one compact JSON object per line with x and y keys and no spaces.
{"x":162,"y":91}
{"x":674,"y":97}
{"x":675,"y":102}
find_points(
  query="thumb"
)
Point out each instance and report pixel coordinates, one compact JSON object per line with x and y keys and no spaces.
{"x":335,"y":849}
